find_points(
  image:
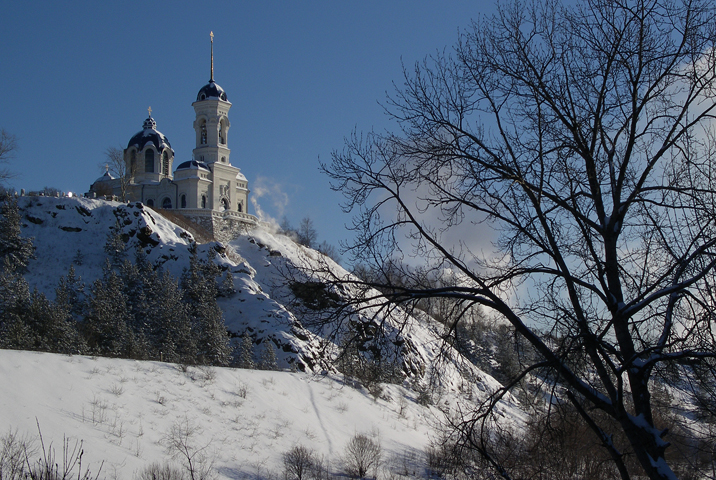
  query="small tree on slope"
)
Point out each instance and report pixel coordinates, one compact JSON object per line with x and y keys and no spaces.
{"x":200,"y":292}
{"x":105,"y":326}
{"x":15,"y":251}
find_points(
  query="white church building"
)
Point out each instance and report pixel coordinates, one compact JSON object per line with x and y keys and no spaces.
{"x":208,"y":189}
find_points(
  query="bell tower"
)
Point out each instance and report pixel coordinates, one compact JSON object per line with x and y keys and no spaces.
{"x":210,"y":180}
{"x":212,"y":121}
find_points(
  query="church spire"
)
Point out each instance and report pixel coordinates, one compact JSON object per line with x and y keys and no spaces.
{"x":212,"y":56}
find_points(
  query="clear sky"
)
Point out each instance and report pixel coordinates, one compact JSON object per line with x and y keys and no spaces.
{"x":77,"y":77}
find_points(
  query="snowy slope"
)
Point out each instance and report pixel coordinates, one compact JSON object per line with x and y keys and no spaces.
{"x":125,"y":410}
{"x":62,"y":227}
{"x":258,"y":260}
{"x":418,"y":346}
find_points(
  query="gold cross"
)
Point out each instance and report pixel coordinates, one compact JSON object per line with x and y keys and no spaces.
{"x":150,"y":111}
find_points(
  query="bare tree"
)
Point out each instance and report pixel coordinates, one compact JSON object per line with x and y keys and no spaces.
{"x":306,"y":233}
{"x":114,"y":163}
{"x":298,"y":462}
{"x":329,"y":250}
{"x":582,"y":135}
{"x":8,"y":146}
{"x":181,"y":441}
{"x":362,"y":455}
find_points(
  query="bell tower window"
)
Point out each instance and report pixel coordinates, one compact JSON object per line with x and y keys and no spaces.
{"x":132,"y":163}
{"x":149,"y":161}
{"x":165,"y":164}
{"x":203,"y":133}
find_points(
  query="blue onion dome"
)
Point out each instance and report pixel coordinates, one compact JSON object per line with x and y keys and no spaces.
{"x":149,"y":134}
{"x":210,"y":91}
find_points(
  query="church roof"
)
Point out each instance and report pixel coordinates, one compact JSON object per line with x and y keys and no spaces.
{"x":193,"y":165}
{"x":107,"y":177}
{"x":211,"y":90}
{"x":149,"y":134}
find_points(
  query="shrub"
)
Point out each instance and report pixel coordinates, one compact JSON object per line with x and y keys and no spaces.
{"x":180,"y":442}
{"x":314,"y":295}
{"x":69,"y":466}
{"x":157,"y":471}
{"x":298,"y":462}
{"x":246,"y":352}
{"x":443,"y":459}
{"x":268,"y":356}
{"x":13,"y":451}
{"x":362,"y":455}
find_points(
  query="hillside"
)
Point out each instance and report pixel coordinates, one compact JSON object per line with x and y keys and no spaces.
{"x":124,"y":410}
{"x":65,"y":229}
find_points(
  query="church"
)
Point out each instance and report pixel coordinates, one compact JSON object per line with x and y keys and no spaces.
{"x":208,"y":189}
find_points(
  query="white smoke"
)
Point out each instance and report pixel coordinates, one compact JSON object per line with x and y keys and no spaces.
{"x":272,"y":193}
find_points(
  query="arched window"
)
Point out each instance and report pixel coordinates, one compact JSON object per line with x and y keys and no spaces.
{"x":223,"y":159}
{"x":165,"y":163}
{"x":149,"y":161}
{"x":182,"y":201}
{"x":224,"y":204}
{"x":238,"y":207}
{"x":203,"y":201}
{"x":150,"y":203}
{"x":132,"y":163}
{"x":221,"y":133}
{"x":203,"y":132}
{"x":167,"y":203}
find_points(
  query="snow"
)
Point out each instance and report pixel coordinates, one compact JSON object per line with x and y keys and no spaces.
{"x":62,"y":227}
{"x":123,"y":411}
{"x":663,"y":468}
{"x":640,"y":422}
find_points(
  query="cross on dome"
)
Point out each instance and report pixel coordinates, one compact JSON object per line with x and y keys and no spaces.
{"x":211,"y":90}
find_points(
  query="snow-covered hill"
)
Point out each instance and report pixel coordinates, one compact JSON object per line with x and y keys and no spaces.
{"x":126,"y":409}
{"x":65,"y":229}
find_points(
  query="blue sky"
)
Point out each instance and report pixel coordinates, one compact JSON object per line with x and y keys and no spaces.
{"x":77,"y":77}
